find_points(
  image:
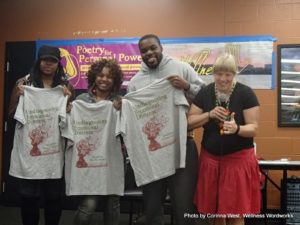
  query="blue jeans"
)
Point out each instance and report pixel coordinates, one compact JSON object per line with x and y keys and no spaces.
{"x":181,"y":187}
{"x":85,"y":214}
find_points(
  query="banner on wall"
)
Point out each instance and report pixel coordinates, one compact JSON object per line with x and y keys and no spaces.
{"x":254,"y":55}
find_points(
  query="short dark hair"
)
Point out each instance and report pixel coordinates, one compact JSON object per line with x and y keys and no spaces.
{"x":149,"y":36}
{"x":115,"y":70}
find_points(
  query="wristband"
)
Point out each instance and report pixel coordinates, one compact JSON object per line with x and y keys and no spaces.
{"x":237,"y":130}
{"x":188,"y":87}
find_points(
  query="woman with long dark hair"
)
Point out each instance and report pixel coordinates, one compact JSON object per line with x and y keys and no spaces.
{"x":39,"y":168}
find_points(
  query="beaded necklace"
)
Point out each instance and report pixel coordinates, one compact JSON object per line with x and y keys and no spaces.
{"x":217,"y":95}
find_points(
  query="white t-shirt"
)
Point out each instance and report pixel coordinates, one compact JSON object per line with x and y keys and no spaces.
{"x":94,"y":160}
{"x":154,"y":126}
{"x":38,"y":147}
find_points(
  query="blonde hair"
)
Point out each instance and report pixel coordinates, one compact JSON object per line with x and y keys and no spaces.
{"x":225,"y":62}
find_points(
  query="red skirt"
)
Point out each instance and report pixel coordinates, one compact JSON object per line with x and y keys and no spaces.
{"x":228,"y":184}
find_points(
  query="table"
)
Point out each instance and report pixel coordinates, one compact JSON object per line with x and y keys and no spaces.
{"x":283,"y":165}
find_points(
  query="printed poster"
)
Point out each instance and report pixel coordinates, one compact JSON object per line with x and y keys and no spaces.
{"x":254,"y":55}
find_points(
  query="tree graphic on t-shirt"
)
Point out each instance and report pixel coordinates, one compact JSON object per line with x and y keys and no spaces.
{"x":84,"y":147}
{"x":152,"y":128}
{"x":37,"y":135}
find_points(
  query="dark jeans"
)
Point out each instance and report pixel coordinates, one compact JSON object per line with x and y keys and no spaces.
{"x":85,"y":214}
{"x":181,"y":187}
{"x":32,"y":191}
